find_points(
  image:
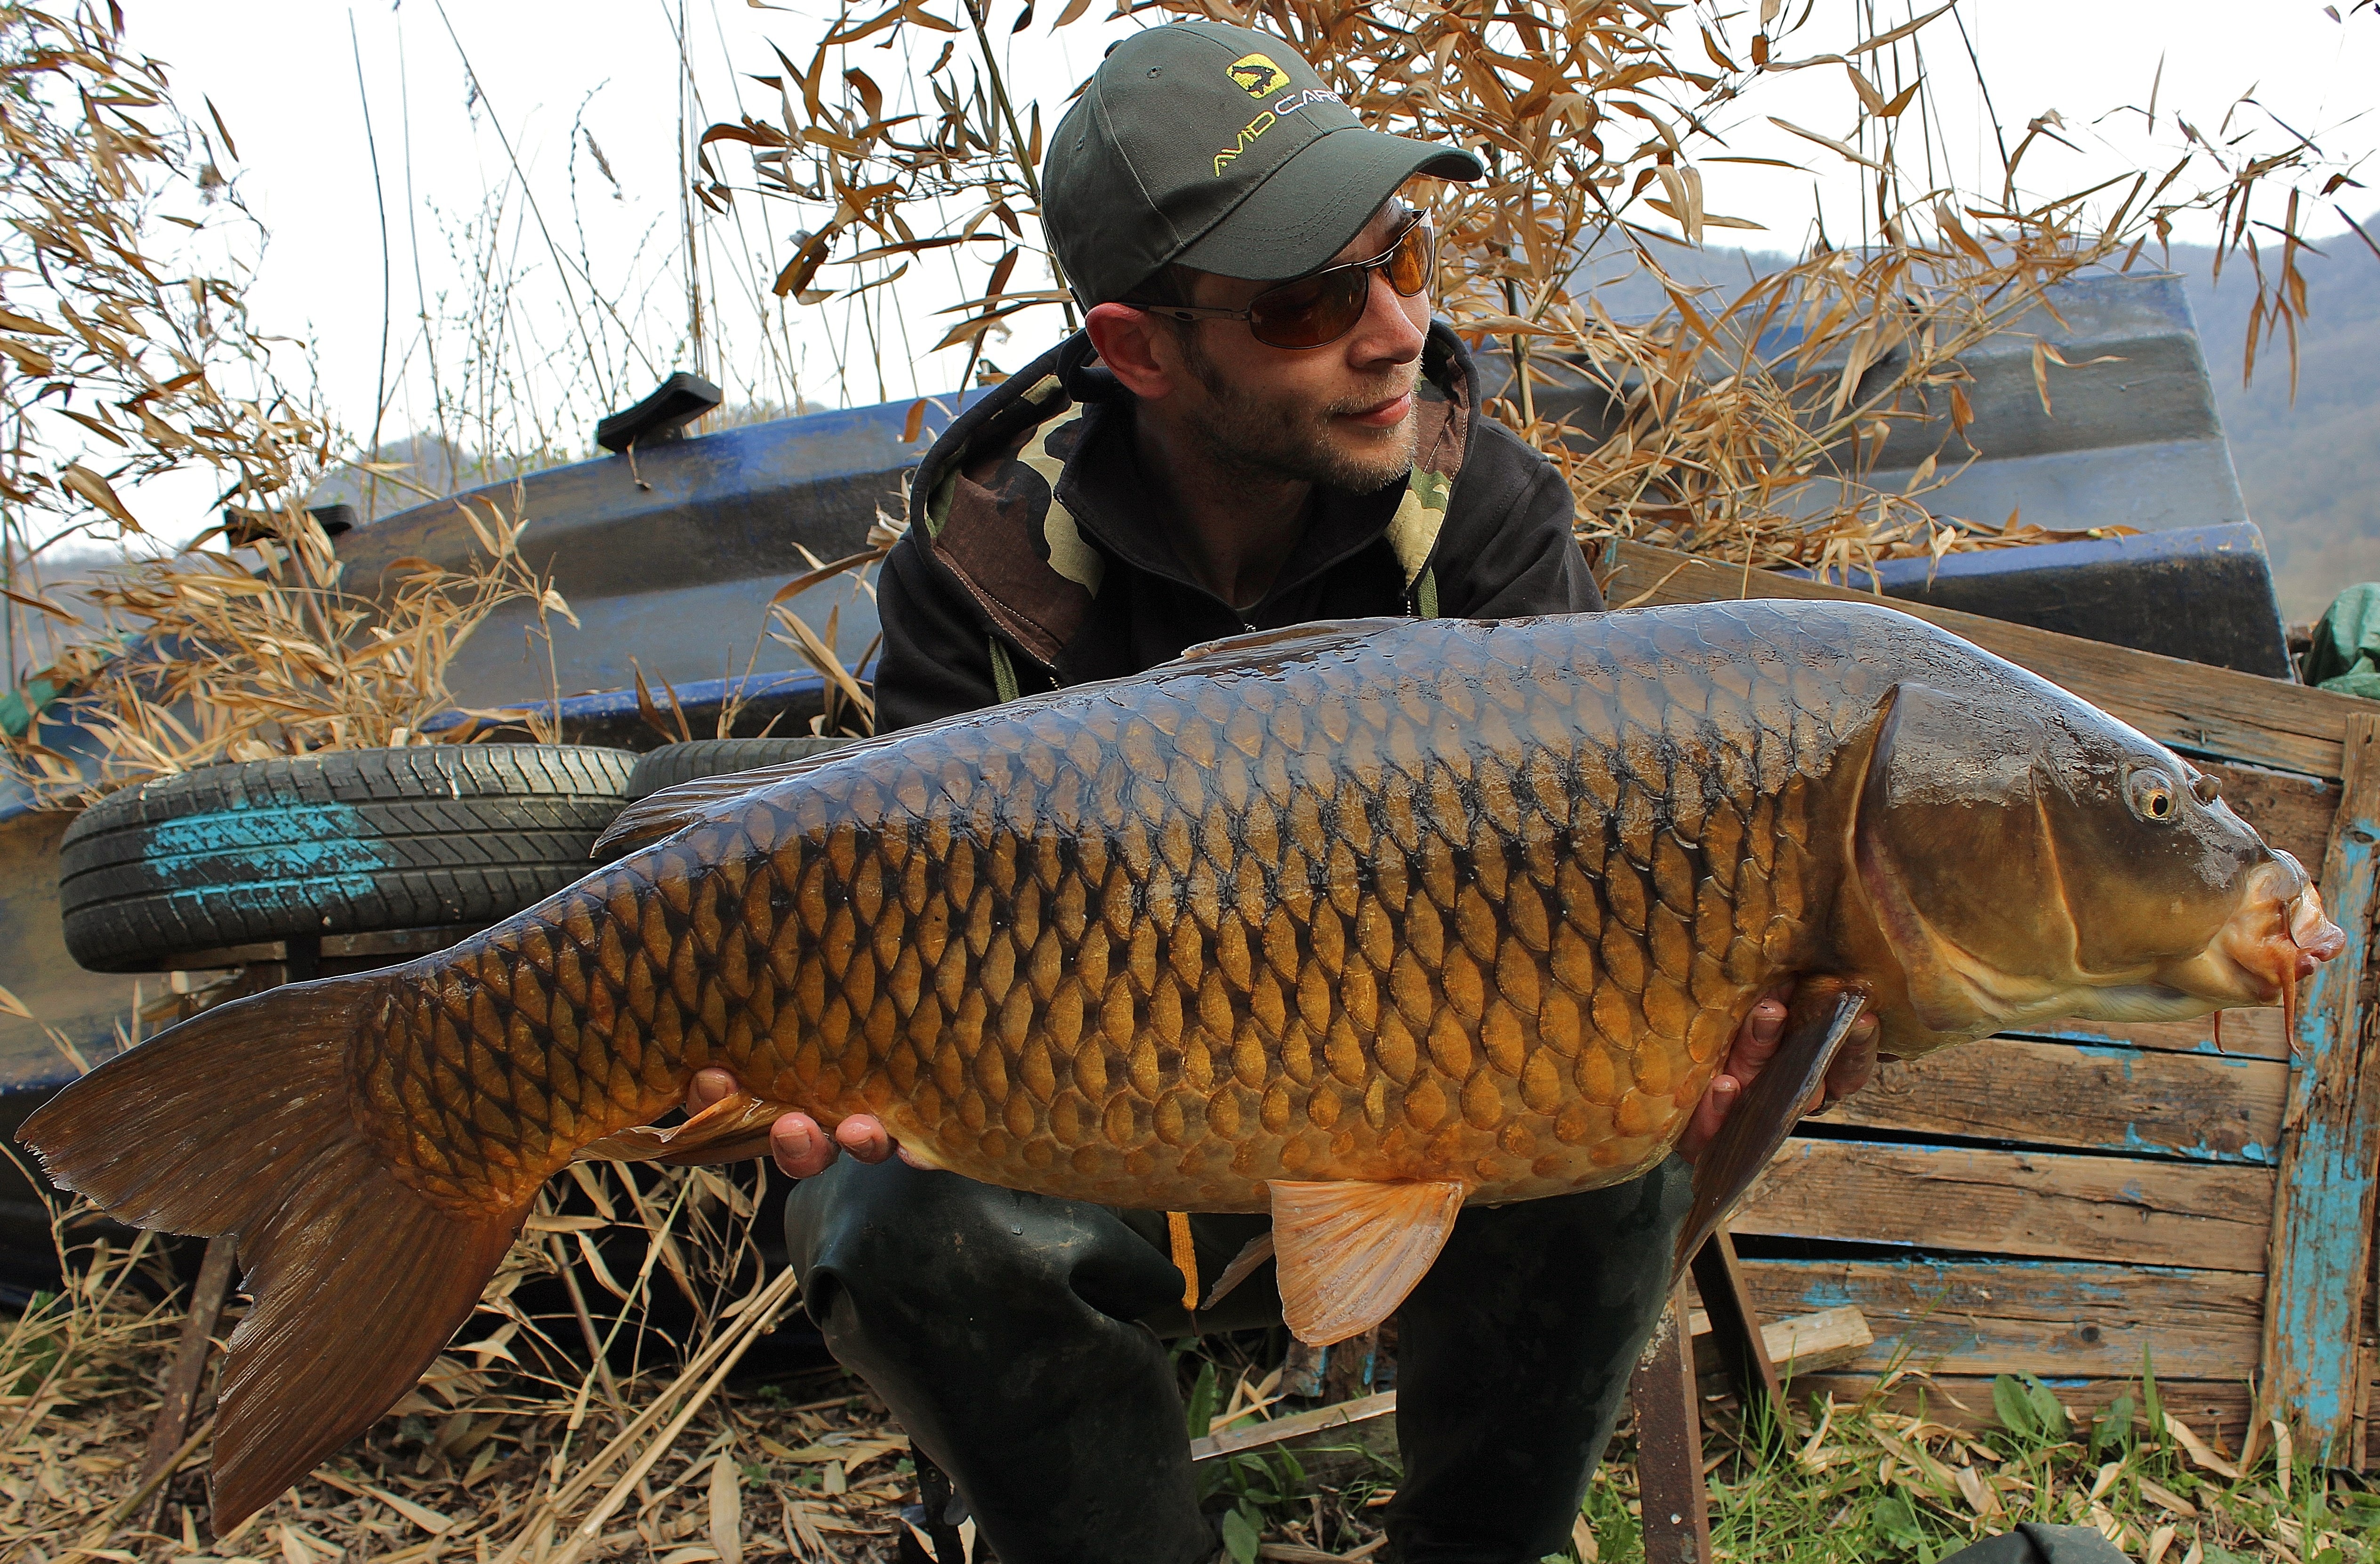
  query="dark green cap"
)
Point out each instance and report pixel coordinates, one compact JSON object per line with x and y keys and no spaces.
{"x":1214,"y":147}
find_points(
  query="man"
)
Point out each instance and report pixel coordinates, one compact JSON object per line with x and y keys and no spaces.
{"x":1258,"y":427}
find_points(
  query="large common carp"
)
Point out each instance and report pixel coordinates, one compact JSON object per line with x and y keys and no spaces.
{"x":1355,"y":924}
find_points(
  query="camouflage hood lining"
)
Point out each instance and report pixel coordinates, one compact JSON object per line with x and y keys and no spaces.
{"x":986,"y":493}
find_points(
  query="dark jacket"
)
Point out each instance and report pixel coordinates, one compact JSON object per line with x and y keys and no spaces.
{"x":1037,"y":553}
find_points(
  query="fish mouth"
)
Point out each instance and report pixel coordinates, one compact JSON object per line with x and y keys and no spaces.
{"x":2275,"y":942}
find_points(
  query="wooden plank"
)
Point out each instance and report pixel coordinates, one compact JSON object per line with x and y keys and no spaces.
{"x":2251,"y":1034}
{"x":2235,"y":716}
{"x":2216,"y":1410}
{"x":2057,"y":1319}
{"x":1254,"y":1436}
{"x":1828,"y":1339}
{"x":1733,"y":1324}
{"x":2322,"y":1222}
{"x":1676,"y":1509}
{"x":173,"y":1423}
{"x":2084,"y":1096}
{"x":2050,"y":1204}
{"x":2291,"y":812}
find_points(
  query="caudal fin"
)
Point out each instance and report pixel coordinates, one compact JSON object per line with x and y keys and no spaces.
{"x":239,"y":1121}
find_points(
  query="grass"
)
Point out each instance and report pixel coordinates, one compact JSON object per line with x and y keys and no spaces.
{"x":1863,"y":1482}
{"x":512,"y":1453}
{"x":1870,"y":1481}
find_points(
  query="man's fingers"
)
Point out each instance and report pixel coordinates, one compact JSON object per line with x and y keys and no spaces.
{"x":1757,"y":1040}
{"x":1719,"y":1100}
{"x":863,"y":1137}
{"x":804,"y":1150}
{"x":799,"y":1146}
{"x":707,"y":1087}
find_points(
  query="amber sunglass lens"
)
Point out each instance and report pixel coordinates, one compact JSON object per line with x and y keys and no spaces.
{"x":1410,"y":263}
{"x":1312,"y":311}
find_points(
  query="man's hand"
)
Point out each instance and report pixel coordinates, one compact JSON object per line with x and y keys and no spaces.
{"x":1756,"y":1044}
{"x":796,"y":1142}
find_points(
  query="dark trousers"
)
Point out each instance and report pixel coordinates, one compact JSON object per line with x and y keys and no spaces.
{"x":1016,"y":1338}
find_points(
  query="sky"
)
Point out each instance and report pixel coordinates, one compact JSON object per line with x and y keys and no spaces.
{"x":408,"y":120}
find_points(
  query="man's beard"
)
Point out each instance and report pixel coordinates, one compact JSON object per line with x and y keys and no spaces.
{"x":1288,"y":437}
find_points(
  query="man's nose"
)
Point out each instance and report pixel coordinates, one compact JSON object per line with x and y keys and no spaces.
{"x":1388,"y":334}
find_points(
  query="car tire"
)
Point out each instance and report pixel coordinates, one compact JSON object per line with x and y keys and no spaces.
{"x":350,"y":841}
{"x":675,"y":763}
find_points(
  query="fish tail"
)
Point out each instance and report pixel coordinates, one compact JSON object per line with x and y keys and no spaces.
{"x":239,"y":1121}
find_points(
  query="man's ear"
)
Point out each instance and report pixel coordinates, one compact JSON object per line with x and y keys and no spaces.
{"x":1139,"y":349}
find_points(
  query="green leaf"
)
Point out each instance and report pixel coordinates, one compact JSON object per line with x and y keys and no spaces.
{"x":1239,"y":1538}
{"x":2046,"y":1411}
{"x":1897,"y":1521}
{"x":1202,"y":1402}
{"x":2114,"y":1430}
{"x":2154,"y":1402}
{"x":2014,"y":1407}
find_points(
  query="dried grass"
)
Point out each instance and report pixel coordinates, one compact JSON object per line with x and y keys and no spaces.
{"x":511,"y":1449}
{"x":510,"y":1453}
{"x":1592,"y":117}
{"x":253,"y":645}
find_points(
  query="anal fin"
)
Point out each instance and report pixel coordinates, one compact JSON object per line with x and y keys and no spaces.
{"x":1253,"y":1252}
{"x":1819,"y":1019}
{"x":1350,"y":1252}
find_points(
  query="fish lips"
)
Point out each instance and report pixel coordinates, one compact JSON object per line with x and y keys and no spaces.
{"x":2276,"y":939}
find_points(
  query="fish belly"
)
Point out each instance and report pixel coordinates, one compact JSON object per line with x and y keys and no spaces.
{"x":1476,"y":902}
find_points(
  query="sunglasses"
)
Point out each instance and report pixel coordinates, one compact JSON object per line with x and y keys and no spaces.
{"x":1318,"y":308}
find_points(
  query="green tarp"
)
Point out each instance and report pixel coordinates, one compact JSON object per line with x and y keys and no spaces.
{"x":2346,"y":655}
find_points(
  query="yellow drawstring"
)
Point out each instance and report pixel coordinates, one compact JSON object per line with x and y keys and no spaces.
{"x":1185,"y":1258}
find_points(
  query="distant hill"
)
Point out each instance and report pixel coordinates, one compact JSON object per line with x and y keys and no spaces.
{"x":2310,"y":471}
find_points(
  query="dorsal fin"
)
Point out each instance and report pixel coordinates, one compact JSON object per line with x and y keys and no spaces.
{"x":1260,"y":648}
{"x":673,"y":808}
{"x":1350,"y":1252}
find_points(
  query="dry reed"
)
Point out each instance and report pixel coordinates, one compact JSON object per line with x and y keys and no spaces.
{"x":1593,"y":118}
{"x":1590,"y":114}
{"x":249,"y":643}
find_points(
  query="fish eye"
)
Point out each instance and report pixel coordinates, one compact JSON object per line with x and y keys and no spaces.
{"x":2152,"y":796}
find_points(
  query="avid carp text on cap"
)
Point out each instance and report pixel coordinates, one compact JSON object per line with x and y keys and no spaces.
{"x":1355,"y":924}
{"x":1214,"y":147}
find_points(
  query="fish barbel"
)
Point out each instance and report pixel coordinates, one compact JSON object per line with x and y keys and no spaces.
{"x":1355,"y":924}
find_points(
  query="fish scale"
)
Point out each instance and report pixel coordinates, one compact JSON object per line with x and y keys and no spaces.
{"x":1468,"y":906}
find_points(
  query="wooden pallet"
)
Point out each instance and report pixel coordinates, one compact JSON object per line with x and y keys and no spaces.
{"x":2076,"y":1201}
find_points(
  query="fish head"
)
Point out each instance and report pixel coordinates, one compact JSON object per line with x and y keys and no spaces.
{"x":2029,"y":858}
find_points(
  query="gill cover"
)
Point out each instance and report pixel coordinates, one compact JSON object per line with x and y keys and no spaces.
{"x":1955,"y":862}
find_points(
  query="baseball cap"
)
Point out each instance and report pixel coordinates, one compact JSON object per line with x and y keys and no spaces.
{"x":1215,"y":146}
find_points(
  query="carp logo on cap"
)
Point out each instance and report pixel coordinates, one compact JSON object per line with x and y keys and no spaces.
{"x":1256,"y":75}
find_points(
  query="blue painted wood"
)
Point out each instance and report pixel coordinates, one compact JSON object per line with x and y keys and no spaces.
{"x":2324,"y":1205}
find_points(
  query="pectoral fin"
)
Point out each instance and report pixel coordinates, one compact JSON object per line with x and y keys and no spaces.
{"x":734,"y":1128}
{"x":1820,"y":1020}
{"x":1349,"y":1253}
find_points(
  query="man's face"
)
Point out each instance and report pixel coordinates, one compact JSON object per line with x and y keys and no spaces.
{"x":1341,"y":415}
